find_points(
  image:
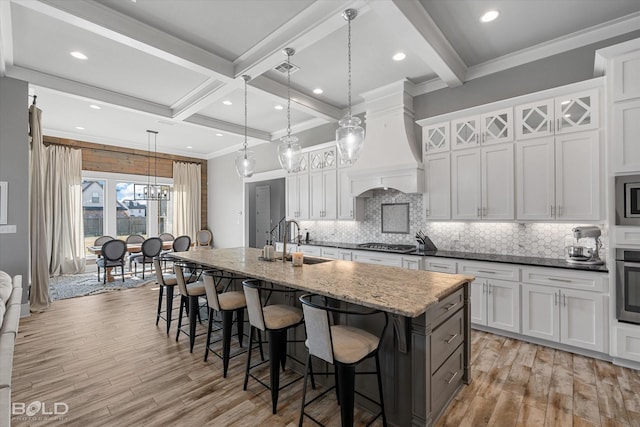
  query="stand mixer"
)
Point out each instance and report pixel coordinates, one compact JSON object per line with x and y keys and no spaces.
{"x":588,"y":253}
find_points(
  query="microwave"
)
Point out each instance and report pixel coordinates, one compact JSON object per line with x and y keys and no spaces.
{"x":627,"y":195}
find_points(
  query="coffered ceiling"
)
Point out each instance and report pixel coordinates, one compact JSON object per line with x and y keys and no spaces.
{"x":168,"y":65}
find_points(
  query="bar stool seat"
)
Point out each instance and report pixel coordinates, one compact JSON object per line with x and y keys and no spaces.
{"x":281,"y":316}
{"x":344,"y":347}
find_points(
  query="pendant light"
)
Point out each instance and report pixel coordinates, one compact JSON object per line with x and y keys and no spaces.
{"x":245,"y":161}
{"x":289,"y":151}
{"x":151,"y":191}
{"x":350,"y":135}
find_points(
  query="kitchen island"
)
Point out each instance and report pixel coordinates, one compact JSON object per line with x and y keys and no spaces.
{"x":425,"y":357}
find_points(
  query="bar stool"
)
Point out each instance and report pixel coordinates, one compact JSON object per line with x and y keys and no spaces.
{"x":275,"y":320}
{"x":190,"y":292}
{"x":225,"y":302}
{"x":168,"y":281}
{"x":344,"y":347}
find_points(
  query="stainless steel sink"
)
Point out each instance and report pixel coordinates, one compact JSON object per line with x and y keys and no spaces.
{"x":311,"y":261}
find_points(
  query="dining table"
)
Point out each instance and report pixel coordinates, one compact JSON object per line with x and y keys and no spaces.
{"x":132,"y":248}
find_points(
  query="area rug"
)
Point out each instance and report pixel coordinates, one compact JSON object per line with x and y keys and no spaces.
{"x":77,"y":285}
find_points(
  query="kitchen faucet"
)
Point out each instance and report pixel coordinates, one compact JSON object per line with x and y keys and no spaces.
{"x":287,"y":226}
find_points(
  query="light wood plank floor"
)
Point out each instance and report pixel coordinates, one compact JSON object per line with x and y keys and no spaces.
{"x":104,"y":357}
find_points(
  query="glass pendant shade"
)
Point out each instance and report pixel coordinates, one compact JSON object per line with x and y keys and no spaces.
{"x":289,"y":152}
{"x":350,"y":138}
{"x":245,"y":163}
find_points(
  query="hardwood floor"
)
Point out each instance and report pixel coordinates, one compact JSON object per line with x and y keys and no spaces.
{"x":104,"y":357}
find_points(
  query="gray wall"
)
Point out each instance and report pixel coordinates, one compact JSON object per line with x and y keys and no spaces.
{"x":278,"y":200}
{"x":14,"y":168}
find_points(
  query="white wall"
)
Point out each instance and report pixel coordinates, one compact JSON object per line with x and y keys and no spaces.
{"x":225,"y":202}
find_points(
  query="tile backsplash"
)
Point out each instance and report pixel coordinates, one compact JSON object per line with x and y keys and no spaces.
{"x":524,"y":239}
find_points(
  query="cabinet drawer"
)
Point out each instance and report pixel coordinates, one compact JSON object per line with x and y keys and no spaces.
{"x":490,"y":270}
{"x":442,"y":265}
{"x":331,"y":253}
{"x":309,"y":250}
{"x":378,"y":258}
{"x":447,"y":307}
{"x":566,"y":278}
{"x":446,"y":338}
{"x":446,"y":380}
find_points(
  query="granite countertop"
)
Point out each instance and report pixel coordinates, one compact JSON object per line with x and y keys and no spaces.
{"x":392,"y":289}
{"x":473,"y":256}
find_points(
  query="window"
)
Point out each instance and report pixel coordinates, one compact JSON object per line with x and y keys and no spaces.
{"x":131,"y":215}
{"x":92,"y":210}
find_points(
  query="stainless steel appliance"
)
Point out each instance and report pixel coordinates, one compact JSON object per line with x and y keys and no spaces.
{"x":585,"y":246}
{"x":627,"y":200}
{"x":387,"y":247}
{"x":628,"y":285}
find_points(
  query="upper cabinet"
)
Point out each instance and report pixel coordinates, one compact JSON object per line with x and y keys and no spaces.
{"x":488,"y":128}
{"x":570,"y":113}
{"x":323,"y":159}
{"x":437,"y":196}
{"x":436,"y":138}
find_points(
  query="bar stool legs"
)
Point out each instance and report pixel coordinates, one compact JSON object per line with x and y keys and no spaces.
{"x":227,"y":323}
{"x":169,"y":305}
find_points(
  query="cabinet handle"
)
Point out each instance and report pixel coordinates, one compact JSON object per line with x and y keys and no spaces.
{"x":559,"y":210}
{"x":450,"y":340}
{"x":450,"y":380}
{"x":479,"y":213}
{"x":564,"y":300}
{"x":557,"y":125}
{"x":551,"y":211}
{"x":549,"y":125}
{"x":484,"y":212}
{"x":555,"y":299}
{"x":350,"y":213}
{"x":426,"y":211}
{"x":489,"y":287}
{"x":484,"y":284}
{"x":554,"y":279}
{"x":450,"y":306}
{"x":440,"y":265}
{"x":486,"y":271}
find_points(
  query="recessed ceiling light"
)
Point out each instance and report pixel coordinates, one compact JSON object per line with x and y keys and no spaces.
{"x":79,"y":55}
{"x":489,"y":16}
{"x":79,"y":128}
{"x":95,"y":107}
{"x":278,"y":107}
{"x":218,"y":134}
{"x":317,"y":91}
{"x":188,"y":146}
{"x":227,"y":102}
{"x":399,"y":56}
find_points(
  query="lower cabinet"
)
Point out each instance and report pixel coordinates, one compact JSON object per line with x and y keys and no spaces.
{"x":567,"y":316}
{"x":496,"y":303}
{"x":378,"y":258}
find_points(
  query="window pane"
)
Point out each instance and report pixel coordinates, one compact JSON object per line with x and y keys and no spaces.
{"x":131,"y":215}
{"x":92,"y":210}
{"x":165,"y":216}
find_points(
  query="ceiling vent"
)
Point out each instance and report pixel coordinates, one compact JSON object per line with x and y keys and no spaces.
{"x":283,"y":67}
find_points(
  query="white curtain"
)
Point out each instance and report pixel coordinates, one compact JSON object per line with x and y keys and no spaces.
{"x":186,"y":200}
{"x":39,"y":292}
{"x":63,"y":210}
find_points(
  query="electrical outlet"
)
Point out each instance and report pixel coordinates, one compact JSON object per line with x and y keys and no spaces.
{"x":456,"y":235}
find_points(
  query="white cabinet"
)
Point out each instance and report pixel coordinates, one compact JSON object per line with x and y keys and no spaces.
{"x":436,"y":138}
{"x":482,"y":183}
{"x":559,"y":178}
{"x":488,"y":128}
{"x":437,"y":196}
{"x":297,"y":189}
{"x":624,"y":132}
{"x":379,"y":258}
{"x":566,"y":316}
{"x":323,"y":159}
{"x":322,"y":195}
{"x":349,"y":207}
{"x":628,"y":342}
{"x":330,"y":252}
{"x":555,"y":116}
{"x":442,"y":265}
{"x":566,"y":306}
{"x":412,"y":262}
{"x":495,"y":294}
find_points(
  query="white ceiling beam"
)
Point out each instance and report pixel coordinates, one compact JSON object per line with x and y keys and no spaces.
{"x":411,"y":22}
{"x":223,"y":126}
{"x":6,"y":37}
{"x":302,"y":31}
{"x":299,"y":100}
{"x":99,"y":19}
{"x":87,"y":91}
{"x":306,"y":125}
{"x":201,"y":97}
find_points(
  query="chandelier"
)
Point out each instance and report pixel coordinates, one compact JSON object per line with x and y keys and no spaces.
{"x":151,"y":191}
{"x":350,"y":135}
{"x":289,"y":151}
{"x":245,"y":161}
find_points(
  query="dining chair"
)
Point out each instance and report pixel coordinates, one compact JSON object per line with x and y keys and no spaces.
{"x":204,"y":237}
{"x":151,"y":248}
{"x":181,"y":243}
{"x":166,"y":237}
{"x":133,"y":239}
{"x":102,"y":240}
{"x":112,"y":256}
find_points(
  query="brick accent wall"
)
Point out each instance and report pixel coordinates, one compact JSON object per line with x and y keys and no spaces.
{"x":107,"y":158}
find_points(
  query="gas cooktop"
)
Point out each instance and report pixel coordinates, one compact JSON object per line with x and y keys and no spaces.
{"x":403,"y":249}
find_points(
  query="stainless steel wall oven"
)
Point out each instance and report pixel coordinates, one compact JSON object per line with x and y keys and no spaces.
{"x":627,"y":200}
{"x":628,"y":285}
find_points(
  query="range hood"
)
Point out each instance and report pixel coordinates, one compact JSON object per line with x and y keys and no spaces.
{"x":391,"y":156}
